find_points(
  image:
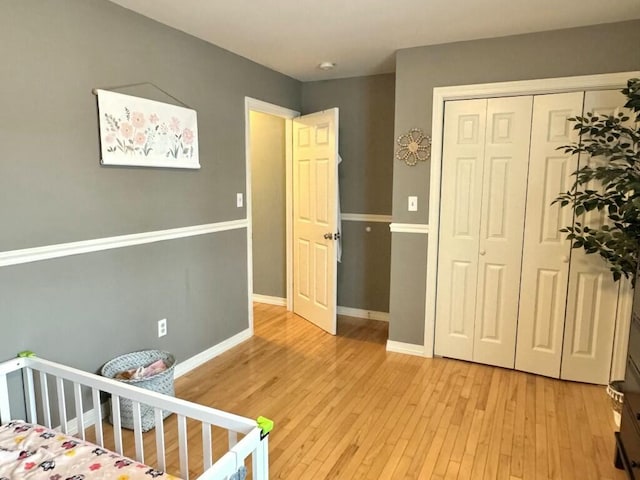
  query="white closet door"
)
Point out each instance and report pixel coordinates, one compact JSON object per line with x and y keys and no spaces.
{"x":506,"y":161}
{"x":593,"y":295}
{"x":546,"y":254}
{"x":462,"y":167}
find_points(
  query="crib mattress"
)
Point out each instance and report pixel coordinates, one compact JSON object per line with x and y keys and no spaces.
{"x":37,"y":453}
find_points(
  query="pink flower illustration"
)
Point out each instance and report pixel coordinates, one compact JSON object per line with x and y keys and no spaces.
{"x":140,"y":138}
{"x":137,"y":118}
{"x":126,"y":130}
{"x":154,"y":118}
{"x":187,"y":136}
{"x":110,"y":138}
{"x":174,"y":125}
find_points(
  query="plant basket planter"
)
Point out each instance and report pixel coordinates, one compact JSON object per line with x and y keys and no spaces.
{"x":615,"y":390}
{"x":162,"y":382}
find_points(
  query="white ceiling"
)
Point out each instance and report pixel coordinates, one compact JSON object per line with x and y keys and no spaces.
{"x":361,"y":36}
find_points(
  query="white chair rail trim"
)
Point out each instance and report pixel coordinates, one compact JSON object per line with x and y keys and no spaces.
{"x":27,"y":255}
{"x":409,"y":228}
{"x":365,"y":217}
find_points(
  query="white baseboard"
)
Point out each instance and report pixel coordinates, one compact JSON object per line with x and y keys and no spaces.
{"x":89,"y":418}
{"x":347,"y":311}
{"x":182,"y":368}
{"x":367,"y":314}
{"x":406,"y":348}
{"x":281,"y":302}
{"x":189,"y":364}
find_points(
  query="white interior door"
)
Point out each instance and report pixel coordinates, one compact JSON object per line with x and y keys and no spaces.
{"x":593,"y":295}
{"x":315,"y":217}
{"x":546,"y":254}
{"x":462,"y":169}
{"x":501,"y":229}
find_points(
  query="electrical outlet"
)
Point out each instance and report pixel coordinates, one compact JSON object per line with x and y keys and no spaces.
{"x":413,"y":204}
{"x":162,"y":327}
{"x":239,"y":200}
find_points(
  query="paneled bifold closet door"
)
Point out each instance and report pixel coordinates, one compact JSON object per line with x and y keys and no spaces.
{"x":510,"y":289}
{"x":486,"y":147}
{"x":592,"y":294}
{"x":546,"y":253}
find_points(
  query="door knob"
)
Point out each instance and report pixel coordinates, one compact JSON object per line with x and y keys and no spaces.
{"x":483,"y":252}
{"x":328,"y":236}
{"x":565,"y":259}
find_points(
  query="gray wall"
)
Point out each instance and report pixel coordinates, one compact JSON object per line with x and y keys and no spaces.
{"x":85,"y":309}
{"x":268,"y":204}
{"x":579,"y":51}
{"x":366,"y":145}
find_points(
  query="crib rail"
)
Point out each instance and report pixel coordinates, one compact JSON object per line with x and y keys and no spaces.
{"x":39,"y":407}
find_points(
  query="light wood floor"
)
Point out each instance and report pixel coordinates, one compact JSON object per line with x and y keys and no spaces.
{"x":345,"y":408}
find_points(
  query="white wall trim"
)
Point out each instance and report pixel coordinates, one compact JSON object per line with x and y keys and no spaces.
{"x":347,"y":311}
{"x":194,"y":362}
{"x":88,"y":418}
{"x":405,"y":348}
{"x":182,"y":368}
{"x":366,"y":314}
{"x":409,"y":228}
{"x":27,"y":255}
{"x":365,"y":217}
{"x":255,"y":105}
{"x":279,"y":301}
{"x":502,"y":89}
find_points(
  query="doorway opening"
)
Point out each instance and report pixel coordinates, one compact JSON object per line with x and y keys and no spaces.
{"x":302,"y":150}
{"x":272,"y":123}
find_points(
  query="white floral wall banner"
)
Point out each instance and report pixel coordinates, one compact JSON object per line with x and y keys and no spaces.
{"x":141,"y":132}
{"x":414,"y":146}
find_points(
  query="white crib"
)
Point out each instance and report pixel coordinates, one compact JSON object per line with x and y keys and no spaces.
{"x":39,"y":377}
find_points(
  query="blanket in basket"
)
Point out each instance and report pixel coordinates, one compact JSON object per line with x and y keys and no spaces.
{"x":37,"y":453}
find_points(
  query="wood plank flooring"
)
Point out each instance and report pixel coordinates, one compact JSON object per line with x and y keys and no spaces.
{"x":344,"y":408}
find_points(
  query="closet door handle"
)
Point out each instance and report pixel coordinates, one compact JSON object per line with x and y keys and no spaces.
{"x":565,"y":259}
{"x":483,"y":252}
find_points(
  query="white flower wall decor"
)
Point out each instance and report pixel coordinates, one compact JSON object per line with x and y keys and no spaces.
{"x":414,"y":146}
{"x":145,"y":133}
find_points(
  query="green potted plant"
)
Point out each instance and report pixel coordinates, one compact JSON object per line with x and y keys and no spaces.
{"x":615,"y":140}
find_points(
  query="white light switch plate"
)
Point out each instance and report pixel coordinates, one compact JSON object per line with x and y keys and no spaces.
{"x":239,"y":200}
{"x":413,"y":204}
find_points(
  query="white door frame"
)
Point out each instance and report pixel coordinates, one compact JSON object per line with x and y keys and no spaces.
{"x":255,"y":105}
{"x":487,"y":90}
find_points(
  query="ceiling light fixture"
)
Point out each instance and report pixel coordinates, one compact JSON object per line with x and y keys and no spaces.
{"x":326,"y":66}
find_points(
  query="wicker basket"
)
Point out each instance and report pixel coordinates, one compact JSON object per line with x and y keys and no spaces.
{"x":161,"y":383}
{"x":615,"y":390}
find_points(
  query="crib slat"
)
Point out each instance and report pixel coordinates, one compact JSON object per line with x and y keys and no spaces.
{"x":5,"y":409}
{"x":182,"y":443}
{"x":97,"y":408}
{"x":29,"y":394}
{"x":233,"y":439}
{"x":207,"y":448}
{"x":77,"y":392}
{"x":62,"y":406}
{"x":160,"y":451}
{"x":137,"y":432}
{"x":46,"y":404}
{"x":117,"y":423}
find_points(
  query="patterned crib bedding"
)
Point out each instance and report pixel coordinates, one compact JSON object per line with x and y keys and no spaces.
{"x":37,"y":453}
